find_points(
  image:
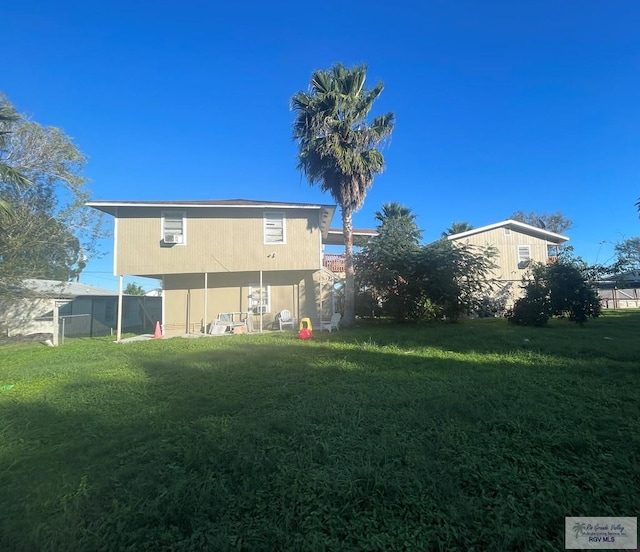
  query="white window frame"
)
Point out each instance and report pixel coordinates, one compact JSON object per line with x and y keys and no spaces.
{"x":523,"y":261}
{"x":254,"y":298}
{"x":265,"y":220}
{"x":163,"y":231}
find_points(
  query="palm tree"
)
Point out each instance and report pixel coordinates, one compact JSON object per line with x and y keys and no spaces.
{"x":338,"y":148}
{"x":395,"y":214}
{"x":8,"y":116}
{"x":457,"y":228}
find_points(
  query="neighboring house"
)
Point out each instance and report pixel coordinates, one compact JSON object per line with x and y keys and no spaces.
{"x":335,"y":262}
{"x":154,"y":293}
{"x":226,"y":256}
{"x":82,"y":310}
{"x":517,"y":245}
{"x":621,"y":291}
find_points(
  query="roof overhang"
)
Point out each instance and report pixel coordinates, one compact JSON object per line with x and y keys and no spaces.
{"x":630,"y":278}
{"x":335,"y":236}
{"x":54,"y":289}
{"x":326,"y":211}
{"x":514,"y":225}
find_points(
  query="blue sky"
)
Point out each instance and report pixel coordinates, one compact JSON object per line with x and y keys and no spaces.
{"x":500,"y":105}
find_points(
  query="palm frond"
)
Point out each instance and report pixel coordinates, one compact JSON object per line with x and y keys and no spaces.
{"x":333,"y":134}
{"x":6,"y":209}
{"x":12,"y":176}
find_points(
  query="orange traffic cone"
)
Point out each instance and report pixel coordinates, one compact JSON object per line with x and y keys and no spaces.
{"x":158,"y":333}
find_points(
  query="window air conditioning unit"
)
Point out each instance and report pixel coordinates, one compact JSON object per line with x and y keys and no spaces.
{"x":172,"y":238}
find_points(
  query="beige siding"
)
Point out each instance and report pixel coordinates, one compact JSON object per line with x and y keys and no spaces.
{"x":26,"y":316}
{"x":218,"y":240}
{"x":297,"y":291}
{"x":507,"y":247}
{"x":509,"y":273}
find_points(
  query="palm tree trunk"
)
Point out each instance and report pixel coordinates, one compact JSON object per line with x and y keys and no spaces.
{"x":349,"y":317}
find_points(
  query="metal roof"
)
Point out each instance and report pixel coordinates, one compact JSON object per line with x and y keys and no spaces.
{"x":630,"y":278}
{"x":54,"y":288}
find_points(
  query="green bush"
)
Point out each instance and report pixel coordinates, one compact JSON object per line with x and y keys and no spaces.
{"x":426,"y":309}
{"x":491,"y":306}
{"x":559,"y":289}
{"x":367,"y":305}
{"x":530,"y":311}
{"x":571,"y":295}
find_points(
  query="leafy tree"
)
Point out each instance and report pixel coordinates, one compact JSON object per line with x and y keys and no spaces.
{"x":455,"y":278}
{"x":35,"y":245}
{"x":132,"y":288}
{"x":457,"y":228}
{"x":338,"y":149}
{"x":50,"y":231}
{"x":627,"y":255}
{"x":564,"y":288}
{"x":8,"y":116}
{"x":411,"y":282}
{"x":384,"y":268}
{"x":553,"y":222}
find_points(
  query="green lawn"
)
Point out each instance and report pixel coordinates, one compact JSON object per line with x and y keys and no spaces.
{"x":477,"y":436}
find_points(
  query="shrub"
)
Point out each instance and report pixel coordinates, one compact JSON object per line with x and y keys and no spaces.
{"x":571,"y":294}
{"x":559,"y":289}
{"x":367,"y":305}
{"x":427,"y":310}
{"x":491,"y":306}
{"x":530,"y":311}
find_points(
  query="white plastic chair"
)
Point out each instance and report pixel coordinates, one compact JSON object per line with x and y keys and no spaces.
{"x":332,"y":324}
{"x":285,"y":319}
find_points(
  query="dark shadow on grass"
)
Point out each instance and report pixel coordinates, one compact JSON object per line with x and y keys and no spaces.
{"x":278,"y":444}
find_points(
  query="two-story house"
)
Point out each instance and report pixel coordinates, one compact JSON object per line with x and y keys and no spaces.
{"x":256,"y":257}
{"x":517,"y":245}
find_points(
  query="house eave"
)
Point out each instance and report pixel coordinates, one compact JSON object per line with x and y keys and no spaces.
{"x":326,"y":211}
{"x":109,"y":206}
{"x":514,"y":225}
{"x":335,"y":236}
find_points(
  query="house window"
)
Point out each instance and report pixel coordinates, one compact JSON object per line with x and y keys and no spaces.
{"x":259,"y":300}
{"x":174,"y":228}
{"x":507,"y":231}
{"x":274,"y":228}
{"x":524,"y":256}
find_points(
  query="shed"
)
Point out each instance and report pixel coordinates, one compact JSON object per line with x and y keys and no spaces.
{"x":83,"y":310}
